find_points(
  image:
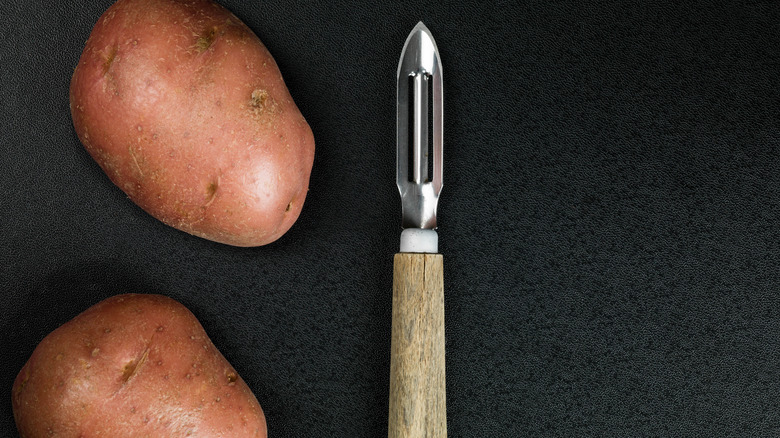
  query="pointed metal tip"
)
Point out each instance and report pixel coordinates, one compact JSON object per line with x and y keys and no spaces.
{"x":419,"y":52}
{"x":420,"y":26}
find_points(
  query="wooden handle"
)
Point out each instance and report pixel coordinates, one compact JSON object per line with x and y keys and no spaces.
{"x":417,"y":390}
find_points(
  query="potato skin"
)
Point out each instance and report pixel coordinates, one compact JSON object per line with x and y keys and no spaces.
{"x":130,"y":366}
{"x":186,"y":111}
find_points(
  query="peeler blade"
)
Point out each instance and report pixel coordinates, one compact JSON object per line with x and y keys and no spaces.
{"x":419,"y":117}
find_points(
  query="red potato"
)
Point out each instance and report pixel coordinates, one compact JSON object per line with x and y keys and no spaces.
{"x":186,"y":111}
{"x":133,"y":366}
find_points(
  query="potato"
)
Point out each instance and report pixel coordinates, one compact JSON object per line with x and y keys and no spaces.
{"x":186,"y":111}
{"x":133,"y":366}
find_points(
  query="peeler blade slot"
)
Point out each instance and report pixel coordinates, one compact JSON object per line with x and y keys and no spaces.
{"x":420,"y":139}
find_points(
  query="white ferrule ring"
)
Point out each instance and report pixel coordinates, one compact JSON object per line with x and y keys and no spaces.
{"x":419,"y":240}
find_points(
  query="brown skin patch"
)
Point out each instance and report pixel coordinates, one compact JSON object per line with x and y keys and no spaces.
{"x":109,"y":58}
{"x":259,"y":97}
{"x":206,"y":39}
{"x":20,"y":386}
{"x":262,"y":104}
{"x":131,"y":368}
{"x":211,"y":192}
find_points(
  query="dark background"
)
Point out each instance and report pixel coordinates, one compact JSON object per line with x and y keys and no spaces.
{"x":610,"y":219}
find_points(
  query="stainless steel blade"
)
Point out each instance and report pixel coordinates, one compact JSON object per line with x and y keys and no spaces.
{"x":419,"y":80}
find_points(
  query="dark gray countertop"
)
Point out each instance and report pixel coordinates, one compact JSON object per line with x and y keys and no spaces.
{"x":610,"y":219}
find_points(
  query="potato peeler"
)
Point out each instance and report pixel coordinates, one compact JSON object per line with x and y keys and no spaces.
{"x":417,"y":384}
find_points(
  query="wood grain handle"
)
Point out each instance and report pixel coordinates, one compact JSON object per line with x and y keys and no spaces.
{"x":417,"y":389}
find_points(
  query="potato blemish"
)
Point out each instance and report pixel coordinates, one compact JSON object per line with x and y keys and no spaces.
{"x":258,"y":98}
{"x":231,"y":377}
{"x":131,"y":368}
{"x":211,"y":192}
{"x":109,"y":58}
{"x":261,"y":102}
{"x":206,"y":39}
{"x":20,"y":387}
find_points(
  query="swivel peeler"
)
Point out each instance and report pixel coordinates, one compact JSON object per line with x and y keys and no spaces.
{"x":417,"y":384}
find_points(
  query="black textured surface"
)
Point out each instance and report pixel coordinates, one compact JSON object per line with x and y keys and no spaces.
{"x":610,"y":219}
